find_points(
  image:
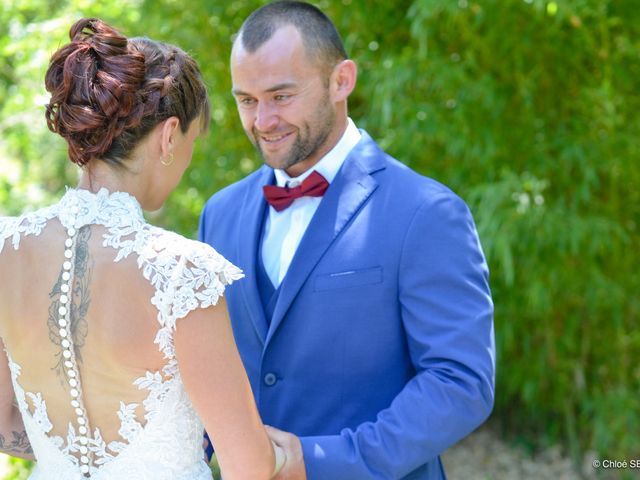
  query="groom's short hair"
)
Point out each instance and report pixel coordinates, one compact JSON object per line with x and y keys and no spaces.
{"x":321,"y":40}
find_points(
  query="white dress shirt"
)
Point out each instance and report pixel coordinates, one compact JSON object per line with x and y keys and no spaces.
{"x":284,"y":230}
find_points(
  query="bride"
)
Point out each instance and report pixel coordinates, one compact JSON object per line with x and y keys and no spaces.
{"x":118,"y":345}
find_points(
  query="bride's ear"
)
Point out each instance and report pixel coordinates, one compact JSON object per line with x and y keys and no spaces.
{"x":168,"y":132}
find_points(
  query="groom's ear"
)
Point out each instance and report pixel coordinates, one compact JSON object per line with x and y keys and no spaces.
{"x":343,"y":80}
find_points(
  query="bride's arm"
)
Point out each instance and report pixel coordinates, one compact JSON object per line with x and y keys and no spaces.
{"x":13,"y":437}
{"x":219,"y":389}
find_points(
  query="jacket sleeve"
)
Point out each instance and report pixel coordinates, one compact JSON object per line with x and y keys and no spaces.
{"x":202,"y":224}
{"x":447,"y":313}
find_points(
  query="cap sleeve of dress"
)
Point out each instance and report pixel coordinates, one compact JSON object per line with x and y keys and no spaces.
{"x":202,"y":279}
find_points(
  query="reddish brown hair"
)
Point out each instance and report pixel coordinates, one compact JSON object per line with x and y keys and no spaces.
{"x":108,"y":92}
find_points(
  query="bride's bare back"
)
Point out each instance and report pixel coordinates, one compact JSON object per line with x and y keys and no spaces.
{"x":88,"y":326}
{"x":113,"y":325}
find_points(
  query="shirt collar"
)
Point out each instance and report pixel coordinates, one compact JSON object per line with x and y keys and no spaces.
{"x":328,"y":165}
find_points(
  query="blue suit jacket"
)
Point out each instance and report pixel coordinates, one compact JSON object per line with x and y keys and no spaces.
{"x":380,"y":354}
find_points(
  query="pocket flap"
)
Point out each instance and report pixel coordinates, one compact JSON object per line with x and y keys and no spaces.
{"x":350,"y":278}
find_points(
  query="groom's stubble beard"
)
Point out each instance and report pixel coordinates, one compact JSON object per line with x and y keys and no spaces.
{"x":310,"y":137}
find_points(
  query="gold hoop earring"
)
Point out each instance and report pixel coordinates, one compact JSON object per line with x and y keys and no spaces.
{"x":166,"y":164}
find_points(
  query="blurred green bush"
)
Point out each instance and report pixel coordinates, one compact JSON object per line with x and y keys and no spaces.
{"x":18,"y":469}
{"x":526,"y":108}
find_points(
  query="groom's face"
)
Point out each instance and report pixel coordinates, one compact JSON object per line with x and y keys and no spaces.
{"x":284,"y":101}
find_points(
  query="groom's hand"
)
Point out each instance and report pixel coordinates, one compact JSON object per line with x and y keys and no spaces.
{"x":293,"y":468}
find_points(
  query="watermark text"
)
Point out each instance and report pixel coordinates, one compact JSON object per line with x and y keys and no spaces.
{"x":610,"y":464}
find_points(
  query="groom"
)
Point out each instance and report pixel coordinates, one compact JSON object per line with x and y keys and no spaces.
{"x":365,"y":321}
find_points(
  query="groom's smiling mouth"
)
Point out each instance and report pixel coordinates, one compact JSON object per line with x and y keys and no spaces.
{"x":274,"y":141}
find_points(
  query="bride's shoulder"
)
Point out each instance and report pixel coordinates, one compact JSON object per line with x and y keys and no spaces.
{"x":172,"y":243}
{"x":7,"y":224}
{"x":29,"y":223}
{"x":7,"y":228}
{"x":192,"y":255}
{"x":187,"y":273}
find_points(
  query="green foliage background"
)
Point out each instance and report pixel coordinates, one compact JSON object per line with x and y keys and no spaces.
{"x":526,"y":108}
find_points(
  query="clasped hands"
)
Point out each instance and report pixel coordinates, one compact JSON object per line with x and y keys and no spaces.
{"x":293,"y":467}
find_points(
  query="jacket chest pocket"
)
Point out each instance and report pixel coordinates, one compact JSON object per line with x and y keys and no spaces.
{"x":349,"y":278}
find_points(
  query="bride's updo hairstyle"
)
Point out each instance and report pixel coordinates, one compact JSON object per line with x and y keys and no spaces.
{"x":108,"y":92}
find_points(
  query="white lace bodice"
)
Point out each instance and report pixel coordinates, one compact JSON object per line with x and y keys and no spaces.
{"x":185,"y":275}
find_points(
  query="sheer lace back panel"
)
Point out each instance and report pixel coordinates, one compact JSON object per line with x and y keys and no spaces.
{"x":88,"y":322}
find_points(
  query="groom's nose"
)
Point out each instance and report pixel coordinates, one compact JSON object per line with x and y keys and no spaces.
{"x":266,"y":117}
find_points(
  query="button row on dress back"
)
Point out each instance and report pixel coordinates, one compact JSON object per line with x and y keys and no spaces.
{"x":68,"y":351}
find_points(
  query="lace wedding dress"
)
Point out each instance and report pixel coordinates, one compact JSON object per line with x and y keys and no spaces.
{"x":99,"y":400}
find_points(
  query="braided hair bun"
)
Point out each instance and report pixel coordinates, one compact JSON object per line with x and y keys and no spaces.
{"x":108,"y":92}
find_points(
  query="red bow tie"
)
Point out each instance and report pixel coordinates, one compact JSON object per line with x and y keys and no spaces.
{"x":281,"y":197}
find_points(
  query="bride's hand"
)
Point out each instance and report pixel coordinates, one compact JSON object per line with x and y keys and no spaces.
{"x":293,"y":468}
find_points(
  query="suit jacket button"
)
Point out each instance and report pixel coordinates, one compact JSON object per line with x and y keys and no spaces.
{"x":270,"y":379}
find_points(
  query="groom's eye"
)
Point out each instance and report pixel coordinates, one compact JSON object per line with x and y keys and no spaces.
{"x":247,"y":101}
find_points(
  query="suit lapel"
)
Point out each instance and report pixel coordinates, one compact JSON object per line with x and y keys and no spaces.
{"x":251,"y":216}
{"x":346,"y":194}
